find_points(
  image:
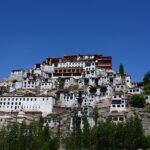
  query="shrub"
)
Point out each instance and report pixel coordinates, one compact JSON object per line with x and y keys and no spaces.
{"x":137,"y":100}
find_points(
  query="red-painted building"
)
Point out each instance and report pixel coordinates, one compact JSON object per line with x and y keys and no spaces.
{"x":104,"y":62}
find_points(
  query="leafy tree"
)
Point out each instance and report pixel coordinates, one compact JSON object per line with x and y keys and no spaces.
{"x":95,"y":115}
{"x":61,"y":83}
{"x":134,"y":135}
{"x":147,"y":89}
{"x":137,"y":100}
{"x":121,"y":69}
{"x":85,"y":133}
{"x":146,"y":78}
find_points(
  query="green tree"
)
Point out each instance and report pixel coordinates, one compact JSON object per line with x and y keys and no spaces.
{"x":137,"y":100}
{"x":85,"y":133}
{"x":134,"y":135}
{"x":121,"y":69}
{"x":147,"y":89}
{"x":95,"y":115}
{"x":146,"y":78}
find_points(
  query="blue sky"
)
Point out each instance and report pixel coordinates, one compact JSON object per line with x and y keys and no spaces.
{"x":32,"y":30}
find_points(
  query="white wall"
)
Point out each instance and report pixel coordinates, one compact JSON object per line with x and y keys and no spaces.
{"x":35,"y":104}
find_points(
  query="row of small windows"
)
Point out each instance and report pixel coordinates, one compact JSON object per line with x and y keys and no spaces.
{"x":118,"y":118}
{"x":68,"y":97}
{"x":46,"y":83}
{"x":21,"y":99}
{"x":118,"y":106}
{"x":29,"y":82}
{"x":71,"y":64}
{"x":135,"y":90}
{"x":28,"y":86}
{"x":18,"y":99}
{"x":118,"y":96}
{"x":87,"y":104}
{"x":24,"y":107}
{"x":15,"y":107}
{"x":88,"y":100}
{"x":120,"y":86}
{"x":51,"y":120}
{"x":8,"y":103}
{"x":89,"y":69}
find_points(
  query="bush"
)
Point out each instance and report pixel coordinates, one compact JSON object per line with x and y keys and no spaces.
{"x":137,"y":100}
{"x":147,"y":88}
{"x":146,"y":78}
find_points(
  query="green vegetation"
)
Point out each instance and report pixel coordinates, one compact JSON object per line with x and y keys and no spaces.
{"x":61,"y":82}
{"x":28,"y":137}
{"x":137,"y":100}
{"x":108,"y":135}
{"x":121,"y":69}
{"x":146,"y":81}
{"x":146,"y":78}
{"x":103,"y":136}
{"x":147,"y":89}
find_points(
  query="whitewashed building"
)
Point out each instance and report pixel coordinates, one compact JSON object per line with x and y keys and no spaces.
{"x":27,"y":104}
{"x":118,"y":103}
{"x":52,"y":121}
{"x":67,"y":100}
{"x":30,"y":83}
{"x":136,"y":90}
{"x":17,"y":74}
{"x":90,"y":69}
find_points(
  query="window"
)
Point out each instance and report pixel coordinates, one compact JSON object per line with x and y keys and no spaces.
{"x":115,"y":118}
{"x":113,"y":105}
{"x":118,"y":105}
{"x":122,"y":105}
{"x":121,"y":118}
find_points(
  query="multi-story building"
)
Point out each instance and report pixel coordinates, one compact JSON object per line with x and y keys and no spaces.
{"x":42,"y":104}
{"x":118,"y":103}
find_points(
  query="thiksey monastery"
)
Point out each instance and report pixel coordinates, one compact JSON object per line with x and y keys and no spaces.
{"x":57,"y":86}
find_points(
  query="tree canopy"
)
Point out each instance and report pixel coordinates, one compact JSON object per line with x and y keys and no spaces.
{"x":137,"y":100}
{"x":146,"y":78}
{"x":121,"y":69}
